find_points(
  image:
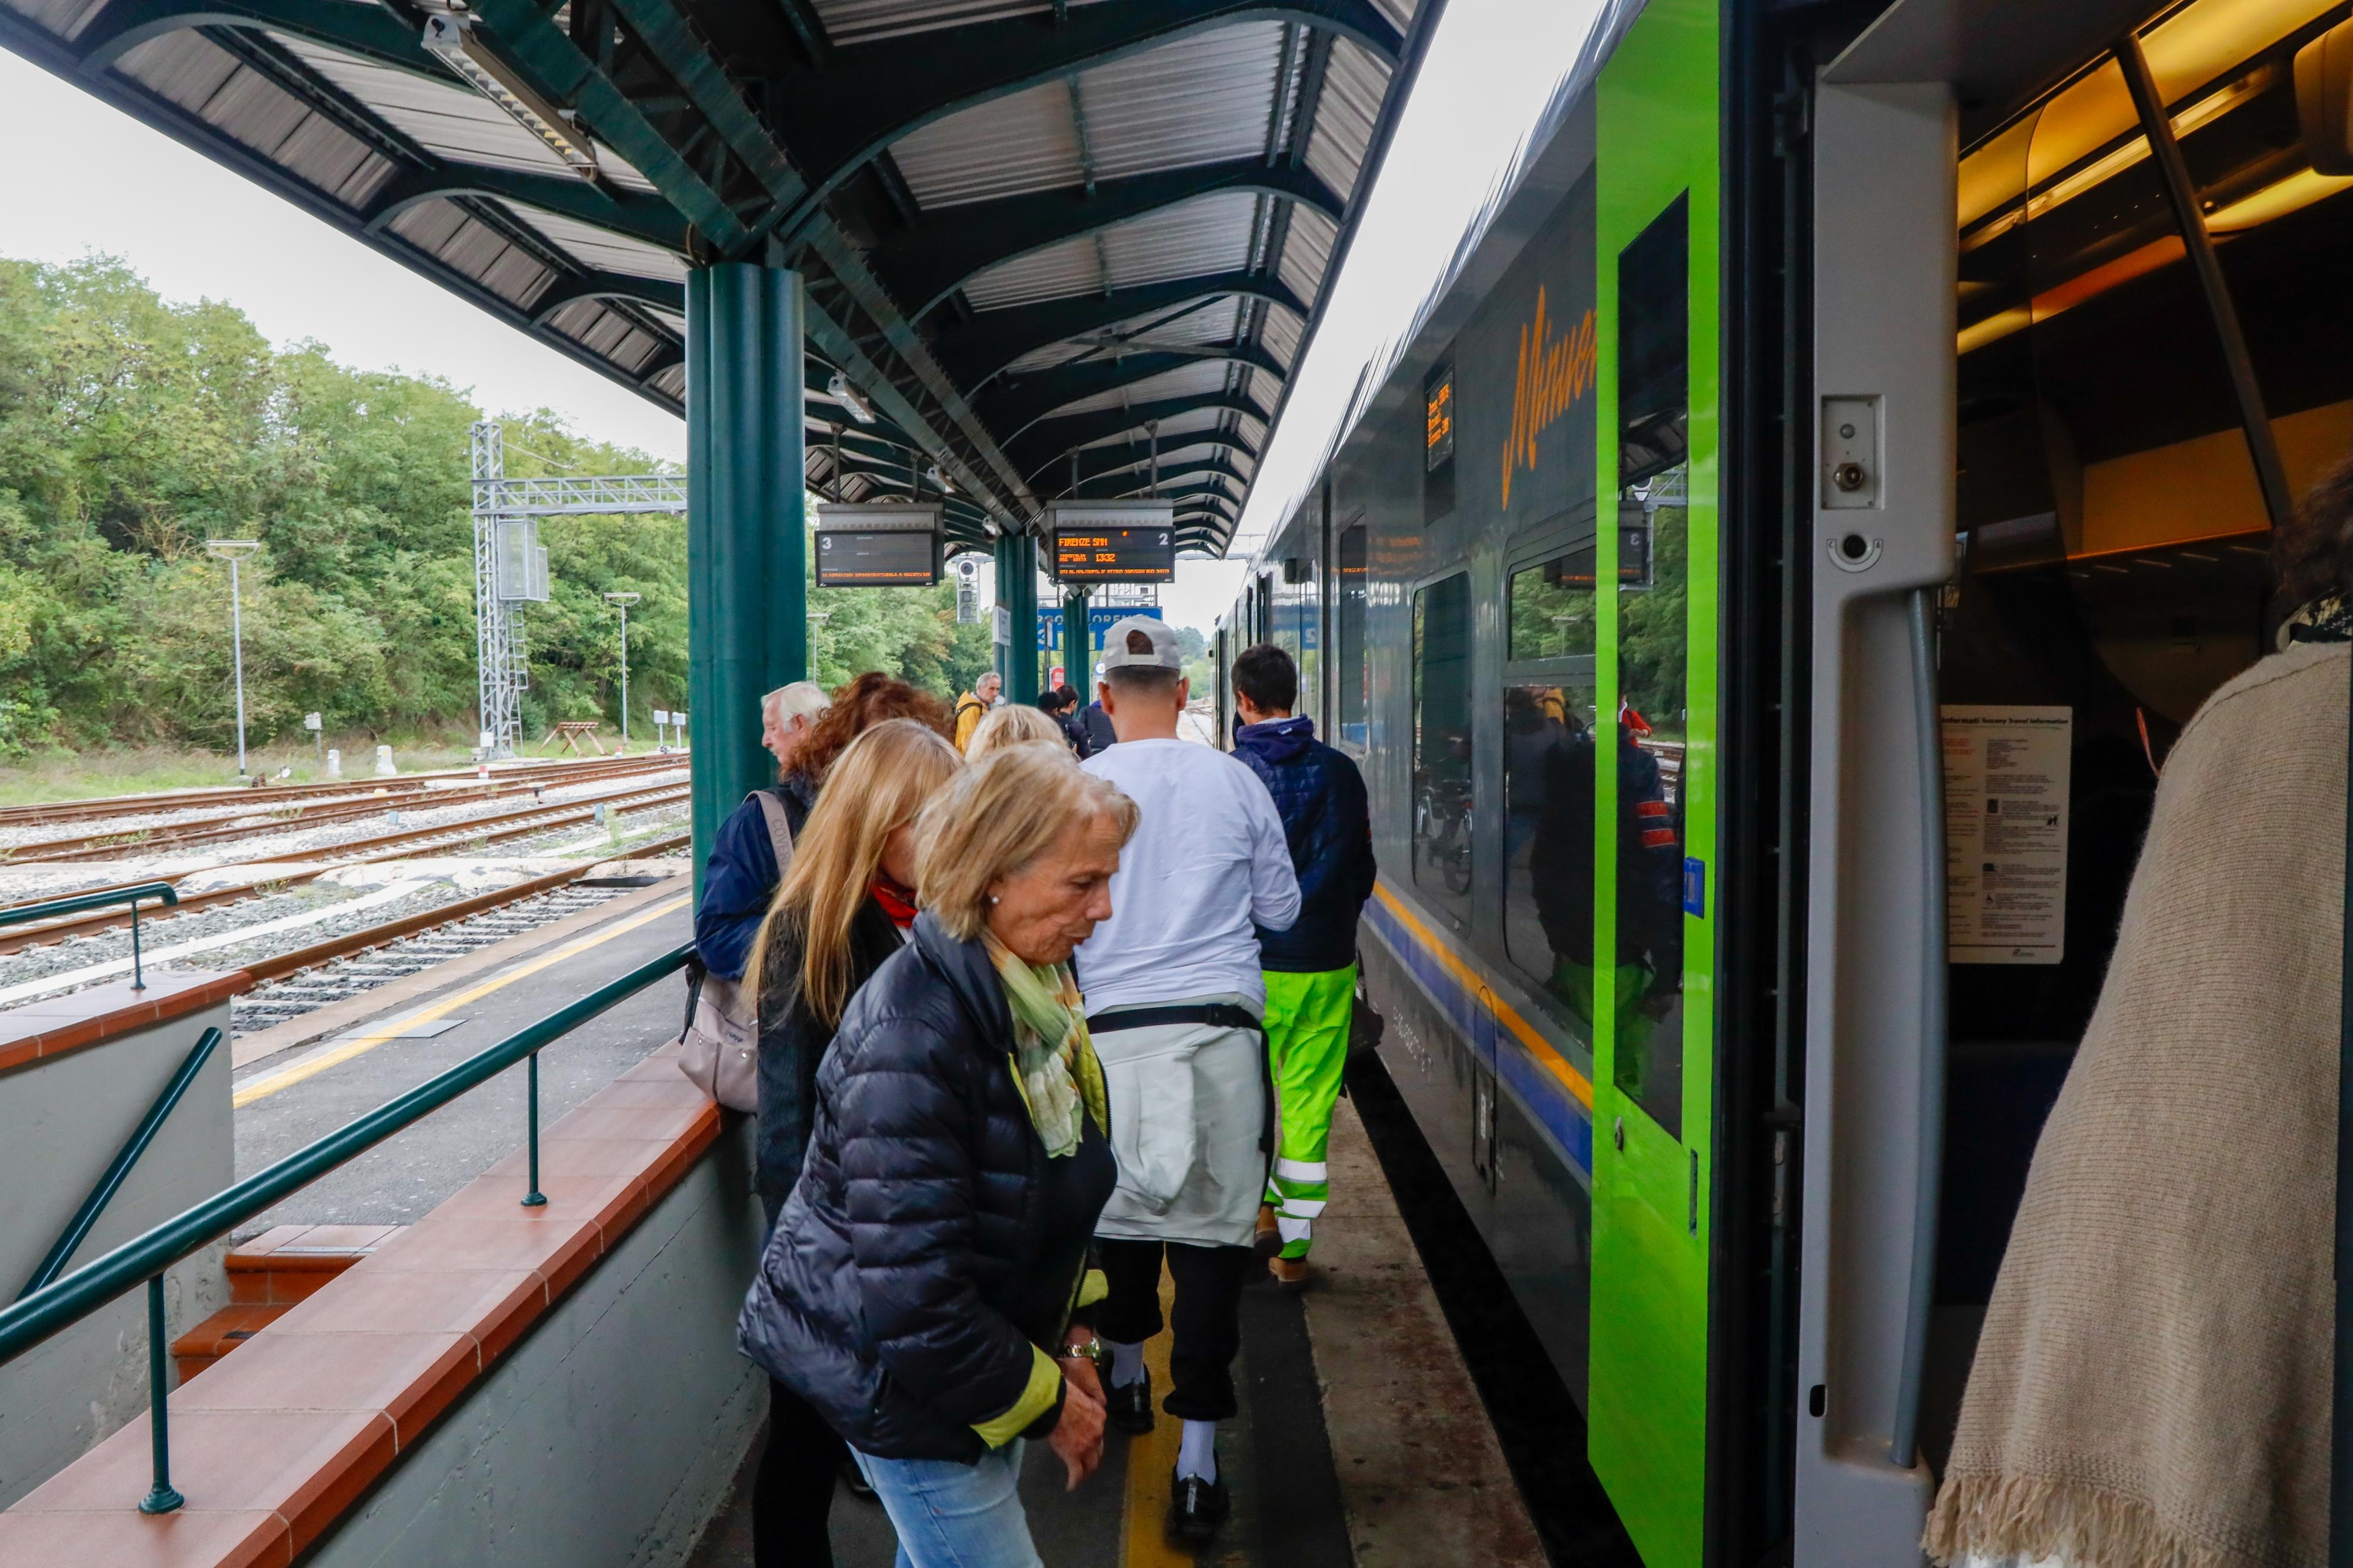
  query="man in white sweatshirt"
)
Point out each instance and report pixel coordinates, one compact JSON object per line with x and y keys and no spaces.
{"x":1174,"y":998}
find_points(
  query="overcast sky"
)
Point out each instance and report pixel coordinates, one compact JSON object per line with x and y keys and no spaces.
{"x":101,"y":182}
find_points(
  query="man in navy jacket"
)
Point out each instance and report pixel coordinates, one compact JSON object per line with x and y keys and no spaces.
{"x":1311,"y":969}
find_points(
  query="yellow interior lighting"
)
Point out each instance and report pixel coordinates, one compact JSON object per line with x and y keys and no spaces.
{"x":2276,"y":200}
{"x":2194,"y":46}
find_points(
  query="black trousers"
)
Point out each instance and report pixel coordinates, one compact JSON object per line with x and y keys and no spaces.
{"x":1207,"y":1316}
{"x":793,"y":1493}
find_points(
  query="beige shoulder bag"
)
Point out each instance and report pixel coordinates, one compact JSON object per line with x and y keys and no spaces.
{"x":720,"y":1048}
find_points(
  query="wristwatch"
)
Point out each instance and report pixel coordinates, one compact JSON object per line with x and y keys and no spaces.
{"x":1089,"y":1349}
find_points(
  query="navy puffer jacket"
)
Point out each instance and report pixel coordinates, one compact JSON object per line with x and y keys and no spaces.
{"x":930,"y":1242}
{"x":1320,"y":796}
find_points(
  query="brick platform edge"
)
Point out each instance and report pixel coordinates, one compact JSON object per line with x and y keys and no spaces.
{"x":274,"y":1443}
{"x":80,"y":1019}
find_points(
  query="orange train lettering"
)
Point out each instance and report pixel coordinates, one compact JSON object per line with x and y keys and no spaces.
{"x":1554,"y":375}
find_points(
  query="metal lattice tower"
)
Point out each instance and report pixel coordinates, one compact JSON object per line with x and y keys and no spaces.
{"x":501,"y":650}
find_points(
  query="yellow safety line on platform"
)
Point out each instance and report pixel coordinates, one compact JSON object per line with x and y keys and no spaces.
{"x":360,"y":1045}
{"x":1151,"y":1460}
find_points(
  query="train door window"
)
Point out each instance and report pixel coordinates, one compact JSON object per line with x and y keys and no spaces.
{"x":1441,"y":743}
{"x":1550,"y":718}
{"x":1653,"y":636}
{"x":1353,"y":671}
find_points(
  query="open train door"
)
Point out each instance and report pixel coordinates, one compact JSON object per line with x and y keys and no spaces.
{"x":1883,"y":419}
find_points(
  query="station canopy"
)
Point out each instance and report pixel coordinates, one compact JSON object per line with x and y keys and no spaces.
{"x":1043,"y":241}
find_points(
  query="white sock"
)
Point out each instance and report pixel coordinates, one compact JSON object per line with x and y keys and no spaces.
{"x":1126,"y":1362}
{"x":1197,"y":1454}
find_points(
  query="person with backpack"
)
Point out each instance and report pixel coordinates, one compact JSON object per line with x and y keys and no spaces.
{"x":1311,"y":967}
{"x":973,"y":704}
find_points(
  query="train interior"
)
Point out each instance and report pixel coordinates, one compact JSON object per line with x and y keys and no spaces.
{"x":2114,"y":522}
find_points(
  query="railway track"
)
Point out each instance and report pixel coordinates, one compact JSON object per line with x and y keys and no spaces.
{"x":522,"y":823}
{"x":276,"y":796}
{"x":362,"y":960}
{"x":263,"y":819}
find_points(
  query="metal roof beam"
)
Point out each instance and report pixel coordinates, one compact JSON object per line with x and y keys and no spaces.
{"x":1133,"y":483}
{"x":867,"y":95}
{"x":1102,"y":462}
{"x":648,"y":218}
{"x":607,"y":286}
{"x":975,"y":350}
{"x":371,"y":32}
{"x":923,"y":265}
{"x":1017,"y":404}
{"x":1052,"y":438}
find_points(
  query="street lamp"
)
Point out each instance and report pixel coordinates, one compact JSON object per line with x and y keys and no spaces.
{"x":234,"y":550}
{"x":623,"y":602}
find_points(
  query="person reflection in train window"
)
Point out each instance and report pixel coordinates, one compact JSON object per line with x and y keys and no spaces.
{"x":1649,"y":968}
{"x":2152,"y":1384}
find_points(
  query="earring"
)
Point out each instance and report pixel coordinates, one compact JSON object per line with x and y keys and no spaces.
{"x":992,"y":898}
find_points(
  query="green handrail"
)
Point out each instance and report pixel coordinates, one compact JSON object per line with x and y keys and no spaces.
{"x":162,"y":892}
{"x":55,"y":1307}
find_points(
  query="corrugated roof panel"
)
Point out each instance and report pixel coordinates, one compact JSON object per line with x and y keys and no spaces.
{"x":1174,"y":425}
{"x":1354,"y":82}
{"x":1307,"y":251}
{"x":670,"y":319}
{"x":1254,"y":431}
{"x":1056,"y":272}
{"x":199,"y":75}
{"x":1046,"y":358}
{"x":1026,"y":141}
{"x":445,"y":117}
{"x":1187,"y":380}
{"x":1209,"y":234}
{"x":602,"y":250}
{"x":1400,"y":12}
{"x":1281,"y":335}
{"x":864,"y":21}
{"x":1203,"y":98}
{"x":454,"y":236}
{"x":63,"y":19}
{"x":670,"y":383}
{"x":607,"y":333}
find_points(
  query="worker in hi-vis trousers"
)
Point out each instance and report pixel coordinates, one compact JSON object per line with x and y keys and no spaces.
{"x":1311,"y":969}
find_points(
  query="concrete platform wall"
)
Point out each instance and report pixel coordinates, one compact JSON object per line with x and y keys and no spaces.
{"x":64,"y":1115}
{"x":609,"y":1434}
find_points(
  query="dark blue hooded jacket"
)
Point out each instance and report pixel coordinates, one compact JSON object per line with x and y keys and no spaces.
{"x":1320,"y":796}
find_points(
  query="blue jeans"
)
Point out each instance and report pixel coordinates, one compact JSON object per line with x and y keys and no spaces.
{"x":955,"y":1516}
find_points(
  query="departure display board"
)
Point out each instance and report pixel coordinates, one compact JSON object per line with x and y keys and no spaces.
{"x":877,"y":546}
{"x":1113,"y":541}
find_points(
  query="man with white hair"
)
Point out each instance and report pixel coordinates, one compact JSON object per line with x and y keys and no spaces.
{"x":751,"y":847}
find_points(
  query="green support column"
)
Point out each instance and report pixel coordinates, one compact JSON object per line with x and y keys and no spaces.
{"x":746,"y":628}
{"x":1017,"y":589}
{"x":1078,"y":658}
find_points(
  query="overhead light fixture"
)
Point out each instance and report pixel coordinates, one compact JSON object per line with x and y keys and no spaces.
{"x":450,"y":40}
{"x":841,"y":392}
{"x":940,"y":481}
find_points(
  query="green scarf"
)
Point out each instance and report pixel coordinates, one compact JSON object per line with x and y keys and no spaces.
{"x":1053,"y":1061}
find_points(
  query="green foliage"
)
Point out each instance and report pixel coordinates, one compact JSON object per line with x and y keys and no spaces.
{"x":1652,"y":642}
{"x":132,"y":429}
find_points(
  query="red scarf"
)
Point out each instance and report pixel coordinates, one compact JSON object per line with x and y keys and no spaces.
{"x":898,"y":902}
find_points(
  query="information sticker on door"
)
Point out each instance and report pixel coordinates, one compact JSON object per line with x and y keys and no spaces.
{"x":2006,"y":833}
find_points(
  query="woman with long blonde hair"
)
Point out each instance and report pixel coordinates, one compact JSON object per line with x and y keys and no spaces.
{"x":843,"y":909}
{"x":1012,"y":726}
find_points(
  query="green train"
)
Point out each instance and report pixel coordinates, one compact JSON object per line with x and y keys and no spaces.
{"x":1850,"y":415}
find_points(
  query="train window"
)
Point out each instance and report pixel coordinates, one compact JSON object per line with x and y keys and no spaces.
{"x":1441,"y":742}
{"x":1653,"y":635}
{"x":1551,"y":607}
{"x":1355,"y":672}
{"x":1549,"y":731}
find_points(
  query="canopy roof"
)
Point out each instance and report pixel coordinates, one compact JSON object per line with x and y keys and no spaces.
{"x":1039,"y":237}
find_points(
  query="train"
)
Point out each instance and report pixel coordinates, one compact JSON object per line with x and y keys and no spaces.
{"x":1847,"y":416}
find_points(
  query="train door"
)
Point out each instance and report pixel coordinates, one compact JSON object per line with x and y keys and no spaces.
{"x":1657,"y":224}
{"x":2091,"y":341}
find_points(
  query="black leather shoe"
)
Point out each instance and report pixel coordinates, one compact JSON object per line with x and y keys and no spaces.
{"x":1196,"y":1508}
{"x":1128,"y":1405}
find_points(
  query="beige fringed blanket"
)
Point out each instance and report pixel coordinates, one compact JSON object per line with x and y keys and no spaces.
{"x":2152,"y":1387}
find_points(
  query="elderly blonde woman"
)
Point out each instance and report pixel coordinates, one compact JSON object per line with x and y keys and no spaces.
{"x":927,"y":1287}
{"x":1013,"y":726}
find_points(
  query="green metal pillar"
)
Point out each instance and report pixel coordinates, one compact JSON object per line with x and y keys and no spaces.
{"x":746,"y":628}
{"x":1017,"y":589}
{"x":1078,"y":655}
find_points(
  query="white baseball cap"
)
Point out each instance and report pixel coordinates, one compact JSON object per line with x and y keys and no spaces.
{"x":1139,"y":642}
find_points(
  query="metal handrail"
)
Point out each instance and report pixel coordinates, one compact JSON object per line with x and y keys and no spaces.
{"x":162,"y":892}
{"x":57,"y":1306}
{"x":78,"y":1229}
